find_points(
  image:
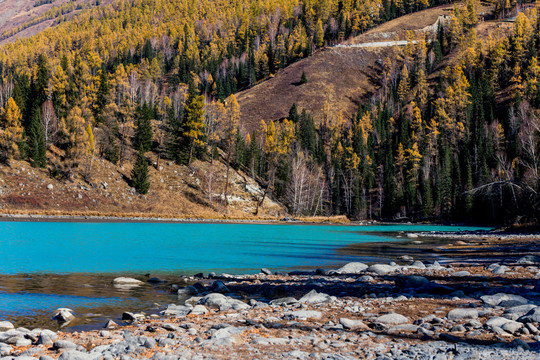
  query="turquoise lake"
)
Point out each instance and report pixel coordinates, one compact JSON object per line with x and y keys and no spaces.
{"x":186,"y":248}
{"x":46,"y":265}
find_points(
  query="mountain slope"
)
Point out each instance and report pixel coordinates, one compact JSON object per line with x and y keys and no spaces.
{"x":338,"y":77}
{"x":24,"y":18}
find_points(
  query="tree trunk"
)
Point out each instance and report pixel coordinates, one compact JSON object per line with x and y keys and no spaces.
{"x":191,"y":152}
{"x":227,"y":177}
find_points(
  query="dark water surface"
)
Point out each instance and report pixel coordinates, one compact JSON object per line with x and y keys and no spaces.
{"x":46,"y":265}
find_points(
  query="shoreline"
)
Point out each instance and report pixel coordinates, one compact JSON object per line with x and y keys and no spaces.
{"x":29,"y":217}
{"x":357,"y":311}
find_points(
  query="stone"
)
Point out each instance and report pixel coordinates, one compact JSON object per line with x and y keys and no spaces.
{"x":352,"y":268}
{"x":50,"y":186}
{"x":170,"y":327}
{"x":402,"y":328}
{"x":501,"y":299}
{"x":11,"y":336}
{"x":46,"y":338}
{"x":351,"y":324}
{"x":265,"y":271}
{"x":532,"y":329}
{"x":512,"y":326}
{"x":22,"y":342}
{"x":110,"y":325}
{"x":63,"y":315}
{"x":529,"y":260}
{"x":380,"y":269}
{"x":458,"y":328}
{"x":149,"y":343}
{"x":5,"y":349}
{"x":313,"y":297}
{"x":177,"y":310}
{"x":500,"y":270}
{"x":199,"y":310}
{"x":219,"y":287}
{"x":75,"y":355}
{"x":516,"y":312}
{"x":129,"y":316}
{"x":392,"y":319}
{"x":412,"y":236}
{"x":532,"y":316}
{"x":462,"y":313}
{"x":520,"y":344}
{"x":127,"y":281}
{"x":498,"y":324}
{"x":222,"y":302}
{"x":366,"y":278}
{"x":303,"y":315}
{"x":284,"y":301}
{"x":269,"y":341}
{"x":461,"y":273}
{"x":6,"y":325}
{"x":64,"y":344}
{"x":410,"y":282}
{"x":187,"y":291}
{"x":418,"y":265}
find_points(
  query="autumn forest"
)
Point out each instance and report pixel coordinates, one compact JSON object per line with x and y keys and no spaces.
{"x":452,"y":132}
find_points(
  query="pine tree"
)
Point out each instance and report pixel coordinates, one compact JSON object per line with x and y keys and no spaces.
{"x":143,"y":132}
{"x":139,"y":175}
{"x":303,"y":79}
{"x":36,"y":141}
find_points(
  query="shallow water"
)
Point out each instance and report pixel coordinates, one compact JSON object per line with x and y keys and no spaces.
{"x":46,"y":265}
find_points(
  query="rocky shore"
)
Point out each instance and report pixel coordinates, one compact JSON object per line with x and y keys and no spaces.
{"x":409,"y":310}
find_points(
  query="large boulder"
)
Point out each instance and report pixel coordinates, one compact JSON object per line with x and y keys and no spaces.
{"x":392,"y":319}
{"x":505,"y":300}
{"x":126,"y":283}
{"x":533,"y":316}
{"x":63,"y":315}
{"x":5,"y":350}
{"x":516,"y":312}
{"x":351,"y":324}
{"x":303,"y":315}
{"x":381,"y":269}
{"x":462,"y":313}
{"x":177,"y":310}
{"x":219,"y":287}
{"x":222,"y":302}
{"x":352,"y":268}
{"x":313,"y":297}
{"x":284,"y":301}
{"x":187,"y":291}
{"x":6,"y":325}
{"x":496,"y":322}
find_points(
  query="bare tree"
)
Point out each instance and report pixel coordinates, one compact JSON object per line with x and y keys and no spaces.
{"x":529,"y":139}
{"x":49,"y":122}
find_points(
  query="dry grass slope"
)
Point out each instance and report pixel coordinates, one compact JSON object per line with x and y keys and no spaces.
{"x":342,"y":76}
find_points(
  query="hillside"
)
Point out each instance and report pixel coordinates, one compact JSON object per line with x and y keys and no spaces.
{"x":24,"y":18}
{"x":338,"y":77}
{"x":177,"y":192}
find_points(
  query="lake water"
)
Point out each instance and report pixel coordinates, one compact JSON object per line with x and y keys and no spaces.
{"x":46,"y":265}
